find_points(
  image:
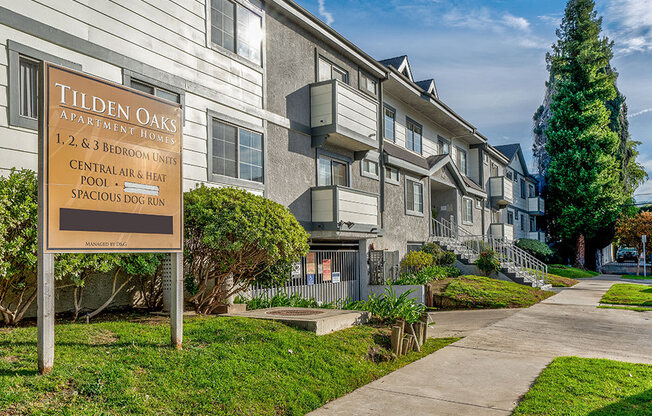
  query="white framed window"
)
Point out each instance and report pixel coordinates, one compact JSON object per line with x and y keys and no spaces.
{"x":28,"y":81}
{"x":328,"y":70}
{"x":494,"y":169}
{"x":236,"y":28}
{"x":531,"y":193}
{"x":413,"y":196}
{"x":533,"y":224}
{"x":413,"y":138}
{"x":444,"y":145}
{"x":522,"y":222}
{"x":414,"y":246}
{"x":369,"y":168}
{"x":392,"y":175}
{"x":390,"y":123}
{"x":467,"y":210}
{"x":478,"y":203}
{"x":235,"y":152}
{"x":368,"y":84}
{"x":509,"y":174}
{"x":523,"y":192}
{"x":485,"y":157}
{"x":332,"y":171}
{"x":460,"y":158}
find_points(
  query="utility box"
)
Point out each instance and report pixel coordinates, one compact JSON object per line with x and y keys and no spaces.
{"x":383,"y":267}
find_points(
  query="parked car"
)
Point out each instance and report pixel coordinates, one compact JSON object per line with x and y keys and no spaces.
{"x":626,"y":254}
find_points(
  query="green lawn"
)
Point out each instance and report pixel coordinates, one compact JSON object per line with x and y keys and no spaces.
{"x":561,"y":281}
{"x":572,"y":386}
{"x":233,"y":366}
{"x":629,"y":308}
{"x":635,"y":277}
{"x":485,"y":292}
{"x":570,"y":272}
{"x":628,"y":294}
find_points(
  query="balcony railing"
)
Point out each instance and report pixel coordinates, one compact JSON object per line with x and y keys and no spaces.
{"x":536,"y":205}
{"x":501,"y":191}
{"x":342,"y":115}
{"x":338,"y":208}
{"x":500,"y":230}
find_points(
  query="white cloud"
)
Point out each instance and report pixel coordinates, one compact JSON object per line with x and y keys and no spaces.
{"x":629,"y":23}
{"x":325,"y":14}
{"x":639,"y":113}
{"x":516,"y":22}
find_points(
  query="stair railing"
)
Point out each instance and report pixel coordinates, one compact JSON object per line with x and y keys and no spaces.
{"x":509,"y":256}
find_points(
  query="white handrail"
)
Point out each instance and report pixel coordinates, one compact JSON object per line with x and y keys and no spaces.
{"x":509,"y":255}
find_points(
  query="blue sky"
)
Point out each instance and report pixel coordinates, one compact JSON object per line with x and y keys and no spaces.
{"x":488,"y":57}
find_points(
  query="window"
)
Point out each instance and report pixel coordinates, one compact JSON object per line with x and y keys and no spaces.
{"x":151,"y":89}
{"x":510,"y":217}
{"x":28,"y":88}
{"x":509,"y":174}
{"x":461,"y":160}
{"x":369,"y":168}
{"x":414,"y":246}
{"x":485,"y":158}
{"x":413,"y":196}
{"x":391,"y":175}
{"x":390,"y":124}
{"x":332,"y":171}
{"x":531,"y":189}
{"x":236,"y":152}
{"x":467,"y":210}
{"x":367,"y":83}
{"x":22,"y":81}
{"x":236,"y":28}
{"x":328,"y":70}
{"x":533,"y":224}
{"x":522,"y":222}
{"x":413,"y":140}
{"x":523,"y":194}
{"x":444,"y":146}
{"x":494,"y":169}
{"x":478,"y":203}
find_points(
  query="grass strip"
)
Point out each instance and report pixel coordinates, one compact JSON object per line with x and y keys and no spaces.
{"x":573,"y":386}
{"x":629,"y":294}
{"x":234,"y":366}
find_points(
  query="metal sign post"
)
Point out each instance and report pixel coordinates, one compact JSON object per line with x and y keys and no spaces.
{"x":644,"y":240}
{"x":110,"y":180}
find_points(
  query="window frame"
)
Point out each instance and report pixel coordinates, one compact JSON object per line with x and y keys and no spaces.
{"x":409,"y":211}
{"x":389,"y":180}
{"x":338,"y":158}
{"x":510,"y":213}
{"x":362,"y":74}
{"x":460,"y":150}
{"x":408,"y":122}
{"x":233,"y":53}
{"x":533,"y":224}
{"x":393,"y":110}
{"x":523,"y":188}
{"x":229,"y":180}
{"x":531,"y":191}
{"x":522,"y":220}
{"x":369,"y":174}
{"x":15,"y":51}
{"x":441,"y":141}
{"x":493,"y":165}
{"x":128,"y":76}
{"x":333,"y":65}
{"x":465,"y":210}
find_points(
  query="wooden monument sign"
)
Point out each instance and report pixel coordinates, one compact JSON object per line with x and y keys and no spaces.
{"x":109,"y":181}
{"x":112,"y":167}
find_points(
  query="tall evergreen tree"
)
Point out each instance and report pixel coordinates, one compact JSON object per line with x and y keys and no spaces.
{"x":584,"y":173}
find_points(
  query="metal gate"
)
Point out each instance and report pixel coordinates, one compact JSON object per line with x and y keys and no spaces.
{"x":344,"y":282}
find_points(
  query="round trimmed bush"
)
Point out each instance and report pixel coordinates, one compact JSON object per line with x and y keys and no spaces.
{"x":537,"y":248}
{"x":414,"y":261}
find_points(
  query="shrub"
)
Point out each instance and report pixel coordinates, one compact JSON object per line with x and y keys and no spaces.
{"x":427,"y":274}
{"x":18,"y":244}
{"x":537,"y":248}
{"x":283,"y":299}
{"x":488,"y":262}
{"x":416,"y":260}
{"x":389,"y":307}
{"x":233,"y":238}
{"x":447,"y":258}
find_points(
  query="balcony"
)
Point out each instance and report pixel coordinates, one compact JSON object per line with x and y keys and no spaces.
{"x":536,"y":205}
{"x":338,"y":208}
{"x":343,"y":116}
{"x":501,"y":191}
{"x":499,"y":230}
{"x":537,"y":235}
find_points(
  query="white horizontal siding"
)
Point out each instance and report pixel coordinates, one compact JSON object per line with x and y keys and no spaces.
{"x":322,"y":205}
{"x":358,"y":208}
{"x":321,"y":105}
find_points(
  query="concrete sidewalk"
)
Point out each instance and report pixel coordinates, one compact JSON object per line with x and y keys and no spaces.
{"x":487,"y":372}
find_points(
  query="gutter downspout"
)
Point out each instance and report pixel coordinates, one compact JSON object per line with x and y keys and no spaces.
{"x":481,"y":177}
{"x":381,"y":157}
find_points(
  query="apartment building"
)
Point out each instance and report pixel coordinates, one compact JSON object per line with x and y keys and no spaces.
{"x":276,"y":102}
{"x":523,"y":213}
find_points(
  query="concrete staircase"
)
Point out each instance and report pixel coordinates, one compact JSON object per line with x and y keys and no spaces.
{"x":516,"y":264}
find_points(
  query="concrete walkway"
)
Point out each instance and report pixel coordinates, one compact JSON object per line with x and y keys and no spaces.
{"x":487,"y":372}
